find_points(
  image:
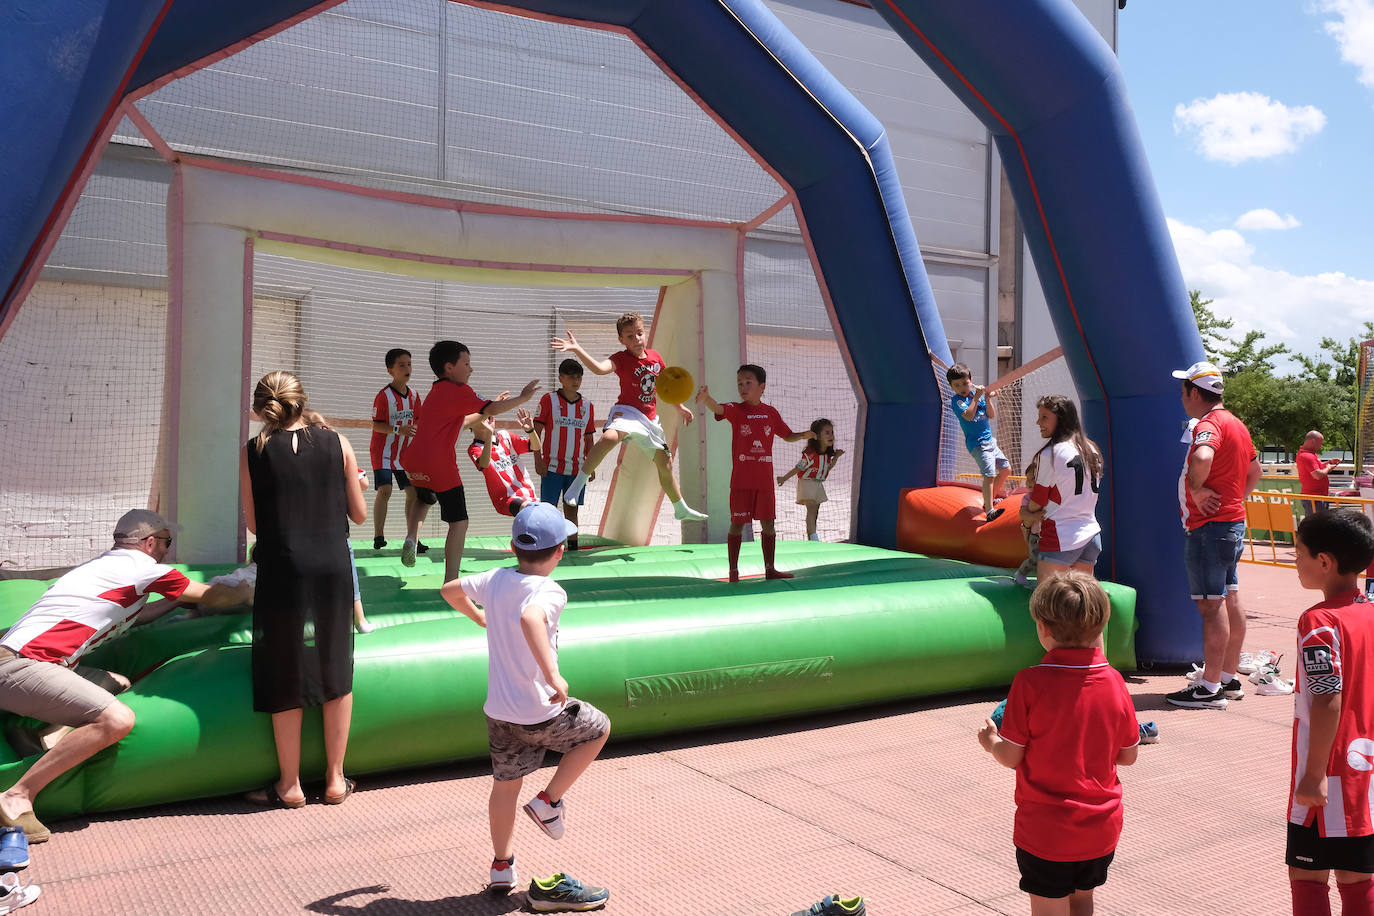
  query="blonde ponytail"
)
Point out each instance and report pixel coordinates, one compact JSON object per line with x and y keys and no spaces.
{"x":279,"y":400}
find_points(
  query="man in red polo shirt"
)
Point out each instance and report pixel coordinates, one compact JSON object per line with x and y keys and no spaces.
{"x":1314,"y":475}
{"x":1221,"y":470}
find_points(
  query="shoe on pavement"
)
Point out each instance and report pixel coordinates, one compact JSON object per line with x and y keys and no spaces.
{"x":1233,"y":690}
{"x":14,"y":893}
{"x":14,"y":849}
{"x":1149,"y":733}
{"x":1250,"y":661}
{"x":1197,"y":697}
{"x":565,"y":894}
{"x":1271,"y":685}
{"x":546,"y":814}
{"x":378,"y":543}
{"x":835,"y":905}
{"x":503,"y":877}
{"x":685,"y":513}
{"x":408,"y":553}
{"x":32,"y":826}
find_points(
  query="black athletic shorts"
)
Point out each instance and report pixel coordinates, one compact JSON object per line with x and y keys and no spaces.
{"x":1044,"y":878}
{"x":1309,"y":849}
{"x":453,"y":503}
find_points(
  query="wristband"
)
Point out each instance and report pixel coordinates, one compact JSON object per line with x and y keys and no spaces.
{"x":396,"y":430}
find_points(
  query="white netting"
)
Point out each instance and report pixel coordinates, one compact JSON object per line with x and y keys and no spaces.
{"x":1364,"y":408}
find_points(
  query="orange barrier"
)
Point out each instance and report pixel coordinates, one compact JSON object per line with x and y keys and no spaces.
{"x":947,"y":521}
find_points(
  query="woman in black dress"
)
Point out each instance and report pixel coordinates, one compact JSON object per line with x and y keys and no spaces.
{"x":299,"y":486}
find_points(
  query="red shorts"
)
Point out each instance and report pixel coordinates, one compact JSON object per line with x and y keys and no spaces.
{"x":760,"y":505}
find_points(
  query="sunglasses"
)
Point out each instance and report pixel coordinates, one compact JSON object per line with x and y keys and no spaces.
{"x":167,"y":542}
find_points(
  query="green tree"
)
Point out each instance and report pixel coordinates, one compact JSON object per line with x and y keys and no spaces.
{"x":1212,"y":328}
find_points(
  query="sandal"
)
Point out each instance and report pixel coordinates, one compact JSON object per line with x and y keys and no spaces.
{"x":268,"y":797}
{"x":349,"y":786}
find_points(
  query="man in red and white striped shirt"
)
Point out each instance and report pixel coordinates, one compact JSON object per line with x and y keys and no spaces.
{"x":395,"y":413}
{"x":39,"y":676}
{"x":566,"y":421}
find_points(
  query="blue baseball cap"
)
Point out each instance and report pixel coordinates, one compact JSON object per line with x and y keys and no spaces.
{"x":539,"y":526}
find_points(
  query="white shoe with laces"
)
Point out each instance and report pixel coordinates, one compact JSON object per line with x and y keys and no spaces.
{"x":546,"y":814}
{"x":503,"y":877}
{"x":1271,"y":685}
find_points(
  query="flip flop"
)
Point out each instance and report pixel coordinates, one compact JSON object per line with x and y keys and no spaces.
{"x":349,"y":786}
{"x":268,"y":798}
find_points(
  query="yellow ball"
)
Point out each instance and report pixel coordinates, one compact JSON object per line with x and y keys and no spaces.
{"x":674,"y":385}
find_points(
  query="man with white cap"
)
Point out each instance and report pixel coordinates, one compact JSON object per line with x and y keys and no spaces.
{"x":39,"y":677}
{"x":1221,"y":470}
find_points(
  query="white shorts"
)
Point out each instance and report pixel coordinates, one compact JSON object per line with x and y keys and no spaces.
{"x":810,"y":490}
{"x":639,"y":429}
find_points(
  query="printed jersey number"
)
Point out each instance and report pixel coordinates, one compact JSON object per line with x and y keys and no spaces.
{"x":1076,"y":462}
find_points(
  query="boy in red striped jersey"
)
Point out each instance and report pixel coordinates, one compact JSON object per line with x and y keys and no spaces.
{"x":496,"y":453}
{"x":565,"y":420}
{"x":395,"y":410}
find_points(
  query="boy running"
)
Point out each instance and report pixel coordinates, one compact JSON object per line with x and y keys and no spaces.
{"x":394,"y":411}
{"x":635,"y":414}
{"x":565,"y":420}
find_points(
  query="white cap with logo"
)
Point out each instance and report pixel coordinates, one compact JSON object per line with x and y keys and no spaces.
{"x":1204,"y":375}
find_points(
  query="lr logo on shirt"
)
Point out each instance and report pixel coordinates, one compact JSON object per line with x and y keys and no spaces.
{"x":1316,"y":660}
{"x":1360,"y":755}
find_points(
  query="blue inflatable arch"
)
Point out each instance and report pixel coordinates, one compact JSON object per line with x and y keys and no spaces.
{"x":1033,"y":70}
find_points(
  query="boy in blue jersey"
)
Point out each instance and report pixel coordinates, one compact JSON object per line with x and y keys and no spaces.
{"x":973,"y":405}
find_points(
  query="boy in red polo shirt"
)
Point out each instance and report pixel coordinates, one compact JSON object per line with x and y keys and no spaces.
{"x":1330,"y":826}
{"x":1069,"y":723}
{"x":751,"y":477}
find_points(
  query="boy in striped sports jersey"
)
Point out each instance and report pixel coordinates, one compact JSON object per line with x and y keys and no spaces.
{"x":496,"y":453}
{"x":565,"y":420}
{"x":1330,"y":825}
{"x":395,"y":410}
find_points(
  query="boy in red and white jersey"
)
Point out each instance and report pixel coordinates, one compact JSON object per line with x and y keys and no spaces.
{"x":1329,"y":817}
{"x":395,"y":411}
{"x":496,"y":453}
{"x":431,"y":458}
{"x":635,"y":414}
{"x":565,"y":420}
{"x":754,"y":424}
{"x":1069,"y":723}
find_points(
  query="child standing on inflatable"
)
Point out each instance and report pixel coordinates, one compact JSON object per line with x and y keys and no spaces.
{"x":972,"y":404}
{"x":528,"y":708}
{"x":1068,"y":470}
{"x":431,"y":459}
{"x":1069,"y":723}
{"x":496,"y":453}
{"x":394,"y":412}
{"x":565,"y":420}
{"x":754,"y":424}
{"x":1030,"y":531}
{"x":817,"y":461}
{"x":635,"y":414}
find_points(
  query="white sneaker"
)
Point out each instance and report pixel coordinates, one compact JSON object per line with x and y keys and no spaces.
{"x":546,"y":814}
{"x":1251,"y":661}
{"x":503,"y":880}
{"x":1271,"y":685}
{"x":14,"y":893}
{"x":685,"y":513}
{"x":408,"y":553}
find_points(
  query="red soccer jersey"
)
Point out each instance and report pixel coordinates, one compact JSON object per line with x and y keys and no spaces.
{"x":638,"y":376}
{"x":567,"y":427}
{"x":814,"y":465}
{"x":506,"y":479}
{"x":1233,"y":452}
{"x":1073,"y":715}
{"x":431,"y":460}
{"x":754,"y":426}
{"x":1335,"y":642}
{"x":394,"y":409}
{"x":1307,"y":462}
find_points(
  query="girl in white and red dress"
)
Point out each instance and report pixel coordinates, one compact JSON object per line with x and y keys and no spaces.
{"x":817,"y":460}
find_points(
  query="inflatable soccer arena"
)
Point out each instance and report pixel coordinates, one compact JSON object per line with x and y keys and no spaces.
{"x":205,"y":192}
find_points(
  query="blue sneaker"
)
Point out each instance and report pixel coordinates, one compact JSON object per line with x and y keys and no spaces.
{"x":835,"y":905}
{"x":996,"y":716}
{"x":1149,"y":733}
{"x":565,"y":894}
{"x":14,"y":849}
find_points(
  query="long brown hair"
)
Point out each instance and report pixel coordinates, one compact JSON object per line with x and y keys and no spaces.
{"x":279,"y":400}
{"x":1067,"y":428}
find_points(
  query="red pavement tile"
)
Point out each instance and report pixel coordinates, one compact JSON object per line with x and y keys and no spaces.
{"x":895,"y":802}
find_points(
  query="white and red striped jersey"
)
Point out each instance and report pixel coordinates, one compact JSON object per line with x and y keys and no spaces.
{"x":394,"y":409}
{"x":568,"y":426}
{"x":1335,"y":649}
{"x":506,"y":479}
{"x":90,"y":604}
{"x":814,"y":465}
{"x":1066,"y":488}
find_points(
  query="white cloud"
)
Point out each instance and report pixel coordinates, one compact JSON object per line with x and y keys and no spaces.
{"x":1232,"y":127}
{"x":1289,"y":308}
{"x":1353,"y":30}
{"x":1266,"y":219}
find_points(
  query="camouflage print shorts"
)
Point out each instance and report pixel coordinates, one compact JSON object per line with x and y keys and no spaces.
{"x":518,"y":750}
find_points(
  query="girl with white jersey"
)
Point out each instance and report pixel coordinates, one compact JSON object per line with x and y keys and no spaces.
{"x":1069,"y":469}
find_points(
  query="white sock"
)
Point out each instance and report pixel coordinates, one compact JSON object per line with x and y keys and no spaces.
{"x":1209,"y":686}
{"x":575,"y":488}
{"x":1227,"y":677}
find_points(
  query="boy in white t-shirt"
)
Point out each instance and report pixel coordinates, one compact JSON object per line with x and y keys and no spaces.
{"x":528,"y":708}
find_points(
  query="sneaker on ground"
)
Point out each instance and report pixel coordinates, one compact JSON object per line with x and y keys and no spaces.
{"x":14,"y":893}
{"x":835,"y":905}
{"x":1250,"y":661}
{"x":546,"y":814}
{"x":378,"y":543}
{"x":503,"y":877}
{"x":565,"y":894}
{"x":14,"y":849}
{"x":1149,"y":733}
{"x":1262,"y":672}
{"x":685,"y":513}
{"x":1233,"y":690}
{"x":421,"y":547}
{"x":1271,"y":685}
{"x":408,"y":553}
{"x":1197,"y":697}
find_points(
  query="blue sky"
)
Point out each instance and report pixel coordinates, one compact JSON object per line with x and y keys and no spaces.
{"x":1265,"y":105}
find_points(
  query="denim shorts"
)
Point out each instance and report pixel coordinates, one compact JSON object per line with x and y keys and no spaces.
{"x":989,"y":458}
{"x":1084,"y":553}
{"x":1210,"y":554}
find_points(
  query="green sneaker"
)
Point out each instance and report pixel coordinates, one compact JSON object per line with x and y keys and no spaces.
{"x":835,"y":905}
{"x":565,"y":894}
